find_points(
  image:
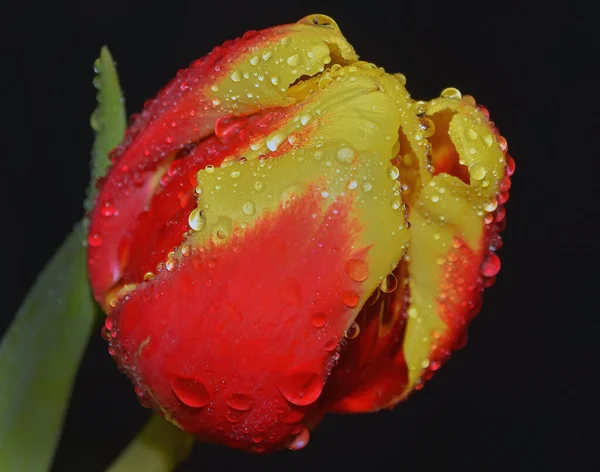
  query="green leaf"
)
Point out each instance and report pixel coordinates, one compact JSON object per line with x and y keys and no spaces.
{"x":108,"y":120}
{"x":159,"y":447}
{"x":42,"y":349}
{"x":39,"y":357}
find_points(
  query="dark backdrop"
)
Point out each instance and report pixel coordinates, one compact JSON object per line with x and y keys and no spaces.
{"x":519,"y":396}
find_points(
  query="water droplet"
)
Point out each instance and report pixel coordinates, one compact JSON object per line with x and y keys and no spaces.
{"x":367,"y":187}
{"x":232,"y":416}
{"x":300,"y":441}
{"x":412,"y":312}
{"x":357,"y":270}
{"x":491,"y":205}
{"x":477,"y":171}
{"x":502,"y":143}
{"x":94,"y":240}
{"x":393,"y":172}
{"x":345,"y":155}
{"x":293,"y":60}
{"x":196,"y":220}
{"x":95,"y":122}
{"x":214,"y":88}
{"x":275,"y":139}
{"x":249,"y":208}
{"x":267,"y":56}
{"x":209,"y":169}
{"x":331,"y":345}
{"x":435,"y":198}
{"x":471,"y":134}
{"x":427,"y":127}
{"x":239,"y":401}
{"x":305,"y":119}
{"x":258,"y":185}
{"x":350,"y":298}
{"x":318,"y":319}
{"x":353,"y":331}
{"x":275,"y":80}
{"x":324,"y":82}
{"x":236,"y":76}
{"x":389,"y":283}
{"x":191,"y":392}
{"x":285,"y":41}
{"x":235,"y":174}
{"x":456,"y":243}
{"x":107,"y":209}
{"x":491,"y":265}
{"x":401,"y":78}
{"x":148,"y":275}
{"x":352,"y":184}
{"x":451,"y":92}
{"x":301,"y":388}
{"x":171,"y":264}
{"x":254,"y":60}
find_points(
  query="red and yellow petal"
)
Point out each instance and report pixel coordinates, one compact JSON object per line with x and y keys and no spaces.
{"x":419,"y":315}
{"x":257,"y":300}
{"x":452,"y":234}
{"x":242,"y":77}
{"x":285,"y":232}
{"x":289,"y":233}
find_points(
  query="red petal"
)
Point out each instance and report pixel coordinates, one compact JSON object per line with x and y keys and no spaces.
{"x":238,"y":332}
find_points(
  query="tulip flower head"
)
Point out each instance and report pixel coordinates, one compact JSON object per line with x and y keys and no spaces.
{"x":284,"y":232}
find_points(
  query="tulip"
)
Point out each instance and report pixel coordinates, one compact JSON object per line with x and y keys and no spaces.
{"x":284,"y":232}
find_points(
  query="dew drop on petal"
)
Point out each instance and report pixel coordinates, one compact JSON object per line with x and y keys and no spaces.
{"x":196,"y":220}
{"x":331,"y":345}
{"x":94,"y":240}
{"x":301,"y":388}
{"x":491,"y":205}
{"x":107,"y":209}
{"x":357,"y":270}
{"x":345,"y":155}
{"x":451,"y":92}
{"x":389,"y":283}
{"x":318,"y":319}
{"x":300,"y":441}
{"x":274,"y":140}
{"x":490,"y":266}
{"x":324,"y":82}
{"x":477,"y":171}
{"x":239,"y":401}
{"x":393,"y":172}
{"x":353,"y":331}
{"x":293,"y":60}
{"x":191,"y":392}
{"x":305,"y":119}
{"x":249,"y":208}
{"x":350,"y":298}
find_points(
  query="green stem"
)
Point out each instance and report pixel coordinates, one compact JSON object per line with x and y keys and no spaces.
{"x":158,"y":447}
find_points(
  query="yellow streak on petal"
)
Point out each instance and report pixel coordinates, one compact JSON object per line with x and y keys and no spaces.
{"x":224,"y":201}
{"x":446,"y":208}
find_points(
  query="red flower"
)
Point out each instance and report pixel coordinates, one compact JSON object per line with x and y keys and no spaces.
{"x":284,"y":233}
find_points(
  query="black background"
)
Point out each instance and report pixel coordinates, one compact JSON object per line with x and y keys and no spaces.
{"x":520,"y":395}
